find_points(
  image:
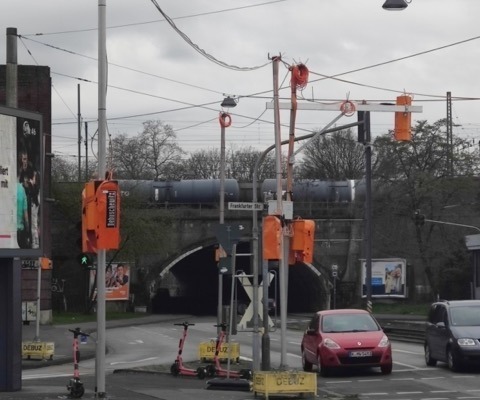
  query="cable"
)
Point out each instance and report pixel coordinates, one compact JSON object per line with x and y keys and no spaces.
{"x":53,"y":86}
{"x":400,"y":58}
{"x":160,"y":20}
{"x":201,"y":51}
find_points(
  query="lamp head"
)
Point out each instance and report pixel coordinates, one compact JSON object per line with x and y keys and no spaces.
{"x":395,"y":5}
{"x":228,"y":102}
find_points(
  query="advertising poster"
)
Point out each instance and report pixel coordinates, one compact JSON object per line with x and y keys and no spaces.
{"x":20,"y":182}
{"x":388,"y":278}
{"x":117,"y":281}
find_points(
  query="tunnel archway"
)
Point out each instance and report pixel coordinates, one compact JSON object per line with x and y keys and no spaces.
{"x":195,"y":290}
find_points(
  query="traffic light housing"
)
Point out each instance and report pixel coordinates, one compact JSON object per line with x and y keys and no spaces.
{"x":100,"y":216}
{"x":302,"y":242}
{"x":403,"y":120}
{"x":89,"y":219}
{"x":272,"y":236}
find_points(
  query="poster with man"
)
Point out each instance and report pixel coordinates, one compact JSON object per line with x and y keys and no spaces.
{"x":20,"y":181}
{"x":388,"y":278}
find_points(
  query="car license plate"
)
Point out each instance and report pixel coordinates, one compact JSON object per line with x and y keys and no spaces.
{"x":360,"y":354}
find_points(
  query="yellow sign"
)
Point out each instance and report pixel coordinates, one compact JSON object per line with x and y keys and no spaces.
{"x":206,"y":351}
{"x":284,"y":382}
{"x":42,"y":350}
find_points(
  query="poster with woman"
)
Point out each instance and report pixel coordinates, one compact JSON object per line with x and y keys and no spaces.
{"x":388,"y":277}
{"x":117,"y":281}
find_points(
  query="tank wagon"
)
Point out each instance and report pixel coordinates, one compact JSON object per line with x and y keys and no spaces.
{"x":206,"y":192}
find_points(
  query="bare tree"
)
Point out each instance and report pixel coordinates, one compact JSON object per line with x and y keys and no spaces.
{"x":241,"y":164}
{"x":335,"y":157}
{"x":158,"y":142}
{"x":64,"y":170}
{"x":204,"y":164}
{"x":416,"y":176}
{"x":129,"y":158}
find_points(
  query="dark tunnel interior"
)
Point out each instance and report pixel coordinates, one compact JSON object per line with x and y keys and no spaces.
{"x":198,"y":274}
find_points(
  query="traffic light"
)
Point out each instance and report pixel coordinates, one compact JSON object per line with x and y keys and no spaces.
{"x":403,"y":120}
{"x":100,"y":216}
{"x":272,"y":236}
{"x":363,"y":127}
{"x":89,"y":219}
{"x":419,"y":218}
{"x":86,"y":261}
{"x":302,"y":243}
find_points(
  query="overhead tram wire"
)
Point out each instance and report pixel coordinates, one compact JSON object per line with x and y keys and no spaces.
{"x":121,"y":66}
{"x":160,"y":20}
{"x":255,"y":95}
{"x":200,"y":50}
{"x":53,"y":86}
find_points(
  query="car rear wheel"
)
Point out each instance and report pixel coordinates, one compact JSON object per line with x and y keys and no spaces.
{"x":453,"y":361}
{"x":307,"y":366}
{"x":322,"y":369}
{"x":429,"y":360}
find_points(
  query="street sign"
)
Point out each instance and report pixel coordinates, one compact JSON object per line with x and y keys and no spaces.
{"x":245,"y":206}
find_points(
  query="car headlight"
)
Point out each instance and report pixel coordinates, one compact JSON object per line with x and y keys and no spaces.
{"x":466,"y":342}
{"x":331,"y":344}
{"x":384,"y":342}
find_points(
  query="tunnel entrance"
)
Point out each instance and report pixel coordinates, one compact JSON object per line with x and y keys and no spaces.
{"x":198,"y":277}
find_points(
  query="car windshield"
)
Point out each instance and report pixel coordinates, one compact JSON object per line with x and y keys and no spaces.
{"x":465,"y":316}
{"x":349,"y":323}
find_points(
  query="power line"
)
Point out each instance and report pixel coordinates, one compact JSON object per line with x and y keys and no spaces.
{"x":200,"y":50}
{"x":159,"y":20}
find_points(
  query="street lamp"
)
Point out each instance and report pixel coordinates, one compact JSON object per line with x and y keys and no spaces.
{"x":396,"y":5}
{"x":225,"y":121}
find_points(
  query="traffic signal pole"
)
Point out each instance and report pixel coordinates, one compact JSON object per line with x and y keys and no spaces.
{"x":101,"y":253}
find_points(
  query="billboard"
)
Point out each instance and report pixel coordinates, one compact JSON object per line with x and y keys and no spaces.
{"x":21,"y":183}
{"x":117,"y":281}
{"x":388,"y":278}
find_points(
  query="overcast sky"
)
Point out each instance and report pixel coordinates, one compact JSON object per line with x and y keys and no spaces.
{"x":155,"y":74}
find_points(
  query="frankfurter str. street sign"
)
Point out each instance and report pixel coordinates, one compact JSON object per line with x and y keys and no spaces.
{"x":245,"y":206}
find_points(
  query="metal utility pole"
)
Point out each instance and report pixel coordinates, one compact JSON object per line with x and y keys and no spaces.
{"x":368,"y":210}
{"x":101,"y":254}
{"x":79,"y":126}
{"x":449,"y":135}
{"x":221,"y":216}
{"x":86,"y":151}
{"x":283,"y":263}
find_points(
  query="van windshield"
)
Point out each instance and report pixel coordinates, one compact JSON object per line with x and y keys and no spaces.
{"x":465,"y":316}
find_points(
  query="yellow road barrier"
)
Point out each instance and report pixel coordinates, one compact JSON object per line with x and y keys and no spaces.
{"x":41,"y":350}
{"x":270,"y":383}
{"x":206,"y":351}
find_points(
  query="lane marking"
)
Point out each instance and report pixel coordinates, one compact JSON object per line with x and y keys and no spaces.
{"x":133,"y":362}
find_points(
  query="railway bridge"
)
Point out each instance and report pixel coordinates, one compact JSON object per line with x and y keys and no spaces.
{"x":186,"y":276}
{"x":183,"y":276}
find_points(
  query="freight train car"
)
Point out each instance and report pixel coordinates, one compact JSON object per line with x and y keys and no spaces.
{"x":206,"y":192}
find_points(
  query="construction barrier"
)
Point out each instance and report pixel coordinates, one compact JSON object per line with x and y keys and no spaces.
{"x":41,"y":350}
{"x":274,"y":383}
{"x":206,"y":351}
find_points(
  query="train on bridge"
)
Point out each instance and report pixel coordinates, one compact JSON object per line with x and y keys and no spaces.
{"x":206,"y":191}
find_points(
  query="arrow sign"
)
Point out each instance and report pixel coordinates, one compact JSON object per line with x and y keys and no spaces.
{"x":229,"y":234}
